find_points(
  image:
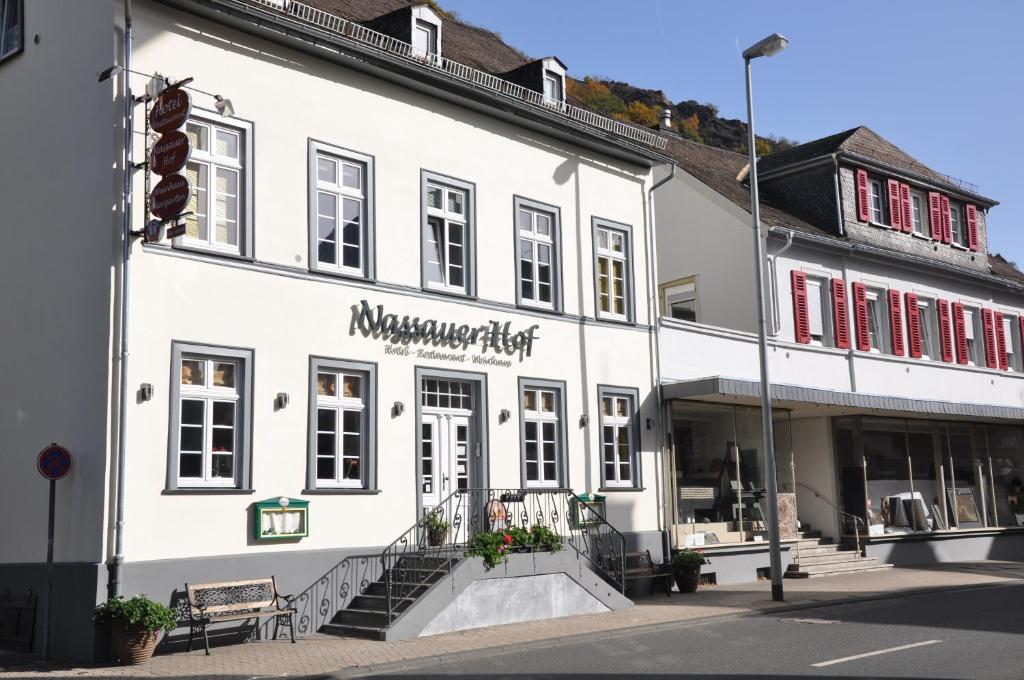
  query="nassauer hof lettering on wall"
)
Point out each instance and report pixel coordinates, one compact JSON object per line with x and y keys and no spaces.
{"x":494,"y":337}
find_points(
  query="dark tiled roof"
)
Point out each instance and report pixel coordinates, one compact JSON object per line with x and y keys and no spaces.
{"x":719,"y":169}
{"x":1003,"y":268}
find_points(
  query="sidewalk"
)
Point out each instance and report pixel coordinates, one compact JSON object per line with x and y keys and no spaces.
{"x":322,"y":654}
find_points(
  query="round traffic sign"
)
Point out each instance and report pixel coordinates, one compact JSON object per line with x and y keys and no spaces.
{"x":54,"y":462}
{"x":170,"y":111}
{"x":169,"y":198}
{"x":170,"y":153}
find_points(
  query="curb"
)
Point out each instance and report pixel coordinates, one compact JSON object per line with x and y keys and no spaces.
{"x":425,"y":662}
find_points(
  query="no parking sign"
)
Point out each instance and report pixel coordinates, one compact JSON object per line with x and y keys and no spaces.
{"x":54,"y":462}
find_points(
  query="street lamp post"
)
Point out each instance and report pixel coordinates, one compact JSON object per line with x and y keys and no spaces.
{"x":767,"y":47}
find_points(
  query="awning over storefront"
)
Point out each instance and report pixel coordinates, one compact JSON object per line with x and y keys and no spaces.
{"x":717,"y":387}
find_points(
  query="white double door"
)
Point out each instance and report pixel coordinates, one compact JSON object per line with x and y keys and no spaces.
{"x":446,"y":448}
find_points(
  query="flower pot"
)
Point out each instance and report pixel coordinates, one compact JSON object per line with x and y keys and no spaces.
{"x":687,"y":579}
{"x":131,"y":645}
{"x":436,"y":536}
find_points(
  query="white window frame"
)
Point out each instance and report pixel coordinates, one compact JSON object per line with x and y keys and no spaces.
{"x":553,"y":87}
{"x":974,"y":331}
{"x":242,"y":165}
{"x":681,"y":293}
{"x":365,"y":406}
{"x":432,"y":31}
{"x":606,"y":231}
{"x":919,"y":214}
{"x":1011,"y":330}
{"x":539,"y":417}
{"x":12,"y":28}
{"x":365,"y":195}
{"x":446,"y":218}
{"x":825,"y":309}
{"x":880,"y":298}
{"x":876,"y":196}
{"x":535,"y":240}
{"x":957,"y":224}
{"x":928,"y":320}
{"x":629,"y":422}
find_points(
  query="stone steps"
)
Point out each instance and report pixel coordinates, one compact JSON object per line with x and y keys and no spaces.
{"x":820,"y":557}
{"x":811,"y":572}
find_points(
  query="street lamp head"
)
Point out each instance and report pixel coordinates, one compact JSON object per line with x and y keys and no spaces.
{"x":766,"y":47}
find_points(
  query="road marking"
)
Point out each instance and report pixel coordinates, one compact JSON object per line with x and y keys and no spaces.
{"x":816,"y":621}
{"x":875,"y":653}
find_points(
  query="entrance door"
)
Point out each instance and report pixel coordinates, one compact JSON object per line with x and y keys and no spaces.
{"x":445,"y":445}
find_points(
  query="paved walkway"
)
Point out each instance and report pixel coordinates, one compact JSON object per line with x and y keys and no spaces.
{"x":322,"y":654}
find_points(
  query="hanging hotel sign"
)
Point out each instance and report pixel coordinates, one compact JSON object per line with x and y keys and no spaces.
{"x":496,"y":337}
{"x":169,"y":198}
{"x":170,"y":111}
{"x":170,"y":153}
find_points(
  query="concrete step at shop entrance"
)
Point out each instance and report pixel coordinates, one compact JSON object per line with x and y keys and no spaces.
{"x":869,"y":564}
{"x":820,"y":557}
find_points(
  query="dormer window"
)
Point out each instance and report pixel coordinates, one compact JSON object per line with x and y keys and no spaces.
{"x":553,"y":81}
{"x":552,"y":87}
{"x":426,"y":32}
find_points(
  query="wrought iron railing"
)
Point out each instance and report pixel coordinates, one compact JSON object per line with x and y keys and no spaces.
{"x":857,"y":521}
{"x":343,"y":28}
{"x":429,"y":549}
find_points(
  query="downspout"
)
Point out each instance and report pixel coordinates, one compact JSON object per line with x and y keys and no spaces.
{"x":114,"y":567}
{"x":849,"y":353}
{"x":652,"y":311}
{"x":774,"y":273}
{"x":839,"y":196}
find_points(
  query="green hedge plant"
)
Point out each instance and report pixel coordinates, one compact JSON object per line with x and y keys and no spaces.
{"x":138,"y":611}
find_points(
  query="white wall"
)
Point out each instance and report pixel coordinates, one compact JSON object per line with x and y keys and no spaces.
{"x":815,"y":468}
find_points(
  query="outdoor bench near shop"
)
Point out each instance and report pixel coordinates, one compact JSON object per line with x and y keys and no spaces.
{"x":639,"y":565}
{"x":236,"y":601}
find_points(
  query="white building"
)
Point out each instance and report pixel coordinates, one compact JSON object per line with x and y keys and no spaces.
{"x":408,"y":268}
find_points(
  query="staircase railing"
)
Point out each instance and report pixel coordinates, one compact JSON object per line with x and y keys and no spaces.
{"x":856,"y":519}
{"x":434,"y":544}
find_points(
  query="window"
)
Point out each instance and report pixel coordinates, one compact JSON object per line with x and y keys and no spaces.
{"x":552,"y":87}
{"x":210,"y":416}
{"x":919,"y":213}
{"x":680,"y":301}
{"x":618,"y":437}
{"x":341,"y":425}
{"x":928,"y":320}
{"x":818,"y":315}
{"x":973,"y":331}
{"x":539,"y":270}
{"x":10,"y":27}
{"x":877,"y":201}
{"x":424,"y":38}
{"x":878,"y":324}
{"x":447,"y":234}
{"x":341,"y":211}
{"x":1011,"y":331}
{"x":612,"y":268}
{"x":219,"y":171}
{"x":957,"y":224}
{"x":542,"y":414}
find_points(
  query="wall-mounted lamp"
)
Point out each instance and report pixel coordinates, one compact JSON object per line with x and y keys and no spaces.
{"x":398,"y":409}
{"x":504,"y":416}
{"x":145,"y":392}
{"x":281,"y":401}
{"x":584,"y":420}
{"x":223,"y":106}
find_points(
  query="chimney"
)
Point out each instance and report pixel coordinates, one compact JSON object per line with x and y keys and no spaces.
{"x":666,"y":119}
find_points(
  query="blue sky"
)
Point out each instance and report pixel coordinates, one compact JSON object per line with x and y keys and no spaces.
{"x":943,"y":80}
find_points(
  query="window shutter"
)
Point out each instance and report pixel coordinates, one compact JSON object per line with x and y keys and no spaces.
{"x":947,"y":227}
{"x":863,"y":209}
{"x":960,"y":333}
{"x":840,"y":314}
{"x":935,"y":214}
{"x":908,"y":214}
{"x":802,"y":326}
{"x":991,"y":355}
{"x":860,"y":314}
{"x":896,"y":322}
{"x":972,"y":227}
{"x":913,"y":326}
{"x":945,"y":341}
{"x":1000,"y":340}
{"x":895,"y":208}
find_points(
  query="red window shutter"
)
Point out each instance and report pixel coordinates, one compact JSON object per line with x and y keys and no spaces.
{"x":896,"y":322}
{"x":908,"y":214}
{"x":840,"y":314}
{"x":991,"y":355}
{"x":935,"y":214}
{"x":860,"y":314}
{"x":895,"y":209}
{"x":972,"y":226}
{"x":913,"y":327}
{"x":947,"y":228}
{"x":945,"y":341}
{"x":1000,"y":340}
{"x":863,"y":209}
{"x":960,"y":333}
{"x":801,"y":322}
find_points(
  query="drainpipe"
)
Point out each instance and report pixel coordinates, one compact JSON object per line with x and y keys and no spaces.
{"x":652,"y":311}
{"x":114,"y":566}
{"x":839,"y":195}
{"x":774,"y":273}
{"x":849,"y":353}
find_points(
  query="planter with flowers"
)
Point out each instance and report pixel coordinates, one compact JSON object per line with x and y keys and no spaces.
{"x":135,"y":625}
{"x":494,"y":546}
{"x":437,"y":528}
{"x":686,"y":566}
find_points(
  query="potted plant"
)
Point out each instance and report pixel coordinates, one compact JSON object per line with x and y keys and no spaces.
{"x":134,"y":626}
{"x":437,"y":528}
{"x":686,"y":569}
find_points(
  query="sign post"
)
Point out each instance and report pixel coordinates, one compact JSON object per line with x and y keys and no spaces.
{"x":54,"y":462}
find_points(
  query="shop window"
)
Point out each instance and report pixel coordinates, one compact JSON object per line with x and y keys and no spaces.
{"x":613,"y":271}
{"x":219,"y":170}
{"x":341,"y":211}
{"x":341,"y":449}
{"x":538,"y":271}
{"x":448,"y":234}
{"x":210,"y":416}
{"x":619,"y":437}
{"x":11,"y":27}
{"x":1006,"y":457}
{"x":542,"y":416}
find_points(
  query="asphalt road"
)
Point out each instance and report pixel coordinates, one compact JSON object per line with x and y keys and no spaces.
{"x":974,"y":634}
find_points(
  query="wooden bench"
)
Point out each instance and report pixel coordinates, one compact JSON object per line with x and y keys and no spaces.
{"x":235,"y":601}
{"x":639,"y":565}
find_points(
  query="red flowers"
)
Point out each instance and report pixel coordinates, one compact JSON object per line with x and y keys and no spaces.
{"x":508,"y":539}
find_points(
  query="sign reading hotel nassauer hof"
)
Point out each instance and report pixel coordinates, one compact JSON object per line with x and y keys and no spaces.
{"x":169,"y":155}
{"x":170,"y":111}
{"x":498,"y":341}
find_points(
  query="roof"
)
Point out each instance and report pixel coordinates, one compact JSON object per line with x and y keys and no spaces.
{"x":1003,"y":268}
{"x":720,"y":169}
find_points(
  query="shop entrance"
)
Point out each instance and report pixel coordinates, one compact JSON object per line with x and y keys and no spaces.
{"x":449,"y":449}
